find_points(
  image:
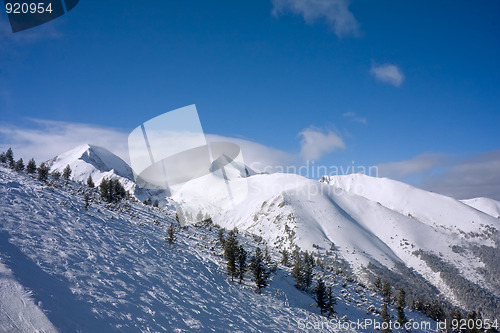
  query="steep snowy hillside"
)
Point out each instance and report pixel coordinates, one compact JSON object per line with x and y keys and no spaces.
{"x":486,"y":205}
{"x":368,"y":221}
{"x":89,"y":160}
{"x":109,"y":268}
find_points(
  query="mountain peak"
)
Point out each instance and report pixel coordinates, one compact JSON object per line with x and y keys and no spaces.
{"x":90,"y":160}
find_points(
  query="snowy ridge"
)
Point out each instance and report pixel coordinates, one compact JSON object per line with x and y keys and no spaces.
{"x":367,"y":220}
{"x":109,"y":269}
{"x":89,"y":160}
{"x":485,"y":205}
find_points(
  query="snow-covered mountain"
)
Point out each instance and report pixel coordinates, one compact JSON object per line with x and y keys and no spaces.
{"x":378,"y":226}
{"x":486,"y":205}
{"x":108,"y":268}
{"x":89,"y":160}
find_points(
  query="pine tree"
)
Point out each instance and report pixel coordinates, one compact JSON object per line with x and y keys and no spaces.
{"x":267,"y":257}
{"x":242,"y":262}
{"x":259,"y":270}
{"x":199,"y":216}
{"x":43,"y":172}
{"x":86,"y":198}
{"x":384,"y":314}
{"x":156,"y":203}
{"x":222,"y":240}
{"x":3,"y":158}
{"x":19,"y":166}
{"x":104,"y":188}
{"x":90,"y":182}
{"x":56,"y":175}
{"x":378,"y":284}
{"x":330,"y":302}
{"x":67,"y":172}
{"x":321,"y":298}
{"x":9,"y":155}
{"x":386,"y":291}
{"x":308,"y":269}
{"x":297,"y":271}
{"x":230,"y":253}
{"x":147,"y":202}
{"x":436,"y":311}
{"x":171,"y":237}
{"x":31,"y":167}
{"x":284,"y":257}
{"x":400,"y":305}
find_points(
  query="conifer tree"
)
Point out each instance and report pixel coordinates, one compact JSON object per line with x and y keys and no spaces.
{"x":19,"y":166}
{"x":259,"y":270}
{"x":308,"y":269}
{"x":171,"y":237}
{"x":31,"y":166}
{"x":298,"y":271}
{"x":242,"y":262}
{"x":378,"y":284}
{"x":43,"y":172}
{"x":230,"y":253}
{"x":9,"y":155}
{"x":330,"y":302}
{"x":321,"y":298}
{"x":386,"y":291}
{"x":222,"y":240}
{"x":156,"y":203}
{"x":284,"y":257}
{"x":104,"y":188}
{"x":67,"y":172}
{"x":400,"y":305}
{"x":384,"y":314}
{"x":90,"y":182}
{"x":56,"y":175}
{"x":3,"y":158}
{"x":86,"y":199}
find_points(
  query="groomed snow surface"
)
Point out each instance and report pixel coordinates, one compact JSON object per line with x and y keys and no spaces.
{"x":109,"y":269}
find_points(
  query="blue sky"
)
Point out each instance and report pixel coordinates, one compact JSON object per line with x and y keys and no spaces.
{"x":413,"y":87}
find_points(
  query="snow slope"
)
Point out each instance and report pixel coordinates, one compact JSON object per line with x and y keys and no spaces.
{"x":485,"y":205}
{"x":89,"y":160}
{"x":109,"y":269}
{"x":366,"y":220}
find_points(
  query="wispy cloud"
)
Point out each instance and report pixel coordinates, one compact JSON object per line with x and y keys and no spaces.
{"x":354,"y":117}
{"x":456,"y":176}
{"x":388,"y":73}
{"x":471,"y":177}
{"x":418,"y":165}
{"x":335,"y":12}
{"x":316,"y":143}
{"x":44,"y":139}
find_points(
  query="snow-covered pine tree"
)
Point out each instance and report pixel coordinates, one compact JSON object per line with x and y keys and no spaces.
{"x":43,"y":172}
{"x":259,"y":270}
{"x":320,"y":295}
{"x":67,"y":172}
{"x":242,"y":262}
{"x":31,"y":166}
{"x":230,"y":253}
{"x":90,"y":182}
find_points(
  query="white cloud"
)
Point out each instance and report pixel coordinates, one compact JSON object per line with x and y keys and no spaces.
{"x":388,"y":73}
{"x":335,"y":12}
{"x":456,"y":176}
{"x":315,"y":143}
{"x":354,"y":117}
{"x":47,"y":139}
{"x":418,"y":165}
{"x":471,"y":177}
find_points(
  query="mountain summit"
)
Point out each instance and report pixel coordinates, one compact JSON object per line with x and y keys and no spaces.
{"x":89,"y":160}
